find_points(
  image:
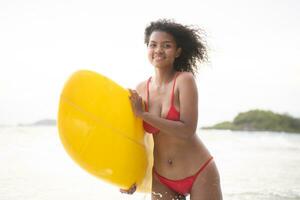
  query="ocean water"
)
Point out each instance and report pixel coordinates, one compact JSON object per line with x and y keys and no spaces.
{"x":253,"y":166}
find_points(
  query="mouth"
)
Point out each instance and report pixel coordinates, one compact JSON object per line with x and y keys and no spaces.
{"x":158,"y":58}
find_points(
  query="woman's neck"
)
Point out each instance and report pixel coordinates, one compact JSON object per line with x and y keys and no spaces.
{"x":163,"y":76}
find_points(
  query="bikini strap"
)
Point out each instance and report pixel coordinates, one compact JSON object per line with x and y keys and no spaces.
{"x":147,"y":96}
{"x":172,"y":94}
{"x":203,"y":166}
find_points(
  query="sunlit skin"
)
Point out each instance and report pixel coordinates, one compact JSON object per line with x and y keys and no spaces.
{"x":178,"y":152}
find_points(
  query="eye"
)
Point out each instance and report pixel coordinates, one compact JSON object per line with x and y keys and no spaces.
{"x":167,"y":46}
{"x":152,"y":45}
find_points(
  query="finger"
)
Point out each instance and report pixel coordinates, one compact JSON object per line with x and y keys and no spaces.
{"x":122,"y":191}
{"x":130,"y":91}
{"x":133,"y":188}
{"x":134,"y":97}
{"x":133,"y":94}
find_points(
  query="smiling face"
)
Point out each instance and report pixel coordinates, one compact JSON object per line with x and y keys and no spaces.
{"x":162,"y":49}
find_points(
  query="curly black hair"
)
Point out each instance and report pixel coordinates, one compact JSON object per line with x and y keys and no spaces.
{"x":193,"y":45}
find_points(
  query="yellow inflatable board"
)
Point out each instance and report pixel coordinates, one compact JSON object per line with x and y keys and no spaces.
{"x":100,"y":132}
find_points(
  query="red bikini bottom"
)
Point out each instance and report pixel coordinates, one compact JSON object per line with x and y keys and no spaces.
{"x":182,"y":186}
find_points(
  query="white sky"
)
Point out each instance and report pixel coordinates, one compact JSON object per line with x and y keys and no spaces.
{"x":255,"y":48}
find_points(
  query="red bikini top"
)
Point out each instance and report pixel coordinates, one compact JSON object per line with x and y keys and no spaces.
{"x":173,"y":114}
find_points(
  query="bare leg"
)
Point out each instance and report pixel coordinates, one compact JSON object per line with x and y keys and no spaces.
{"x":162,"y":192}
{"x":207,"y":185}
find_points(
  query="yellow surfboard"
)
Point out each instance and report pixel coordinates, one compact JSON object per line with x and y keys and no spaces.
{"x":100,"y":132}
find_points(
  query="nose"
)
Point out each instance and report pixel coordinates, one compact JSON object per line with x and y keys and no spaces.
{"x":158,"y":49}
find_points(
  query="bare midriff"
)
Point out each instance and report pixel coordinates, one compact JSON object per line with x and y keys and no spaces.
{"x":177,"y":158}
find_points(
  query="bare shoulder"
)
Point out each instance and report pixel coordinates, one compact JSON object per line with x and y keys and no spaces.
{"x":186,"y":79}
{"x":141,"y":87}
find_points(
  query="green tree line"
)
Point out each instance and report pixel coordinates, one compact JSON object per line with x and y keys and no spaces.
{"x":261,"y":120}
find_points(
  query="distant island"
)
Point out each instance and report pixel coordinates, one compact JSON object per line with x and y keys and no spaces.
{"x":44,"y":122}
{"x":260,"y":120}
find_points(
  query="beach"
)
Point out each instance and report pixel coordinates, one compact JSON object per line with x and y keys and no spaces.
{"x":252,"y":165}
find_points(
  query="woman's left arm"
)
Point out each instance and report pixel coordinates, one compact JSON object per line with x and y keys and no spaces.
{"x":188,"y":98}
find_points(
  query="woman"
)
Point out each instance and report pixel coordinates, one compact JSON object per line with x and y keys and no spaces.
{"x":182,"y":164}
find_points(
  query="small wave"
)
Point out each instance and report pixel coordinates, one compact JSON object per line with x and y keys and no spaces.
{"x":264,"y":195}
